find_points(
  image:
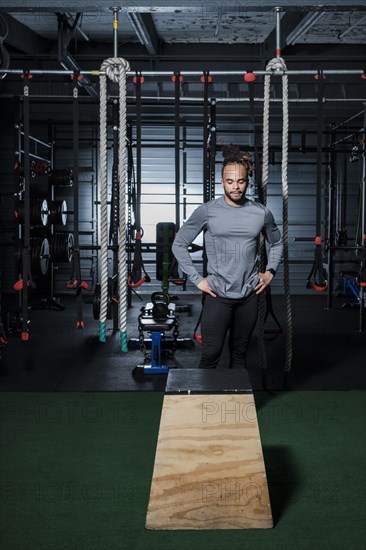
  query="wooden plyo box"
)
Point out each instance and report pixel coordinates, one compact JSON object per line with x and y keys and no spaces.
{"x":209,"y":471}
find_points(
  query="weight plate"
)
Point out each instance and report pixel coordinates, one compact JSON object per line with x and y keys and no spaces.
{"x":63,"y":213}
{"x":44,"y":213}
{"x":70,"y":246}
{"x":44,"y":256}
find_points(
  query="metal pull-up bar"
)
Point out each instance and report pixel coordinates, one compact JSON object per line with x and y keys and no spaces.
{"x":278,"y":72}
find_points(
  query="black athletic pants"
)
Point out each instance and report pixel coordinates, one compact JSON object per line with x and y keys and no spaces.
{"x":218,"y":316}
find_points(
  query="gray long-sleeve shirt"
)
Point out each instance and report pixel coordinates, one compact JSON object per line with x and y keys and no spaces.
{"x":231,"y":242}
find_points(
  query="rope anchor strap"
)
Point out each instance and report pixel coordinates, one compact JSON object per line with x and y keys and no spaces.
{"x":115,"y":69}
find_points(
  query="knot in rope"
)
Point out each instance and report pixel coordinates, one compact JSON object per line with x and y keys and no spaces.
{"x":110,"y":65}
{"x":276,"y":64}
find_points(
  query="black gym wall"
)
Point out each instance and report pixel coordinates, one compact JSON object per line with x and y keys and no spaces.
{"x":158,"y":199}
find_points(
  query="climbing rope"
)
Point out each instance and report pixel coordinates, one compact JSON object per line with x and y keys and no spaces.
{"x":115,"y":69}
{"x":262,"y":247}
{"x":276,"y":64}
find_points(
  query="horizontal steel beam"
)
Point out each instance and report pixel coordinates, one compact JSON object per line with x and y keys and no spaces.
{"x":171,"y":6}
{"x":22,"y":38}
{"x":97,"y":72}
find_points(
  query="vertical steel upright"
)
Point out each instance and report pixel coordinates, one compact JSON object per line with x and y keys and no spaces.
{"x":177,"y":80}
{"x":212,"y":148}
{"x":76,"y":252}
{"x":27,"y":276}
{"x":362,"y":278}
{"x":115,"y":212}
{"x":208,"y":193}
{"x":332,"y":174}
{"x":130,"y":172}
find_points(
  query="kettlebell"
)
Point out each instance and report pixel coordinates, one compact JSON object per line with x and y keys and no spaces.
{"x":160,"y":302}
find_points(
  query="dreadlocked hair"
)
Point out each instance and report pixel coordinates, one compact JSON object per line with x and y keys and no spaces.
{"x":233,"y":155}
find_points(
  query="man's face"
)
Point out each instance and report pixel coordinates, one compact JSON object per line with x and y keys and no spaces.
{"x":235,"y":183}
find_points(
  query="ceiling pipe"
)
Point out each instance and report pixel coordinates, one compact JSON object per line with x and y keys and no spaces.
{"x":306,"y":24}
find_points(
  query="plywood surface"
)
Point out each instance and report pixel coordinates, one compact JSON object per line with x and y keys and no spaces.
{"x":209,"y":471}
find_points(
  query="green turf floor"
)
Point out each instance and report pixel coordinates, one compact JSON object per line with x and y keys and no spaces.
{"x":75,"y":473}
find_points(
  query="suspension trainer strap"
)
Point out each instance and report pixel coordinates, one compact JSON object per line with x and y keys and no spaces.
{"x":319,"y":156}
{"x":80,"y":284}
{"x":136,"y":279}
{"x":318,"y":277}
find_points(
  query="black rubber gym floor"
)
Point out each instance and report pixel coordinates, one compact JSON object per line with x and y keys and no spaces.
{"x":328,"y":351}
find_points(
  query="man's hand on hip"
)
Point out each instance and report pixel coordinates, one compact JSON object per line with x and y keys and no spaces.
{"x":264,"y":281}
{"x":205,"y":287}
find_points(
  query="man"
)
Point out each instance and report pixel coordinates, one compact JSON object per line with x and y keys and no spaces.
{"x":232,"y":225}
